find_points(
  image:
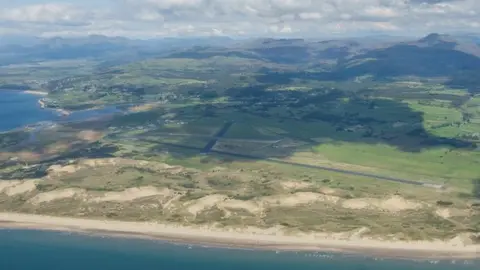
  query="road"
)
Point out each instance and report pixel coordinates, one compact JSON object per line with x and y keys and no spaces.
{"x":349,"y":172}
{"x":208,"y":148}
{"x":168,"y":134}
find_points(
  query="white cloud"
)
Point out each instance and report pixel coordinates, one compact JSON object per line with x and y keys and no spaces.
{"x":243,"y":17}
{"x":310,"y":15}
{"x":45,"y":13}
{"x":381,"y":12}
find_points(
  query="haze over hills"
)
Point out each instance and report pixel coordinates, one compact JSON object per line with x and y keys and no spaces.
{"x":309,"y":51}
{"x":434,"y":56}
{"x":431,"y":56}
{"x":24,"y":48}
{"x":95,"y":47}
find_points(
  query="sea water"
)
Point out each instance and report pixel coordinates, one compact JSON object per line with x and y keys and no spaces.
{"x":43,"y":250}
{"x":18,"y":109}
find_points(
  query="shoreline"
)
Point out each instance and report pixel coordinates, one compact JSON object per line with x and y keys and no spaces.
{"x":63,"y":112}
{"x":234,"y":239}
{"x":35,"y":92}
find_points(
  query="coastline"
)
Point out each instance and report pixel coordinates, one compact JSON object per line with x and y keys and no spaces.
{"x":35,"y":92}
{"x":63,"y":112}
{"x":237,"y":239}
{"x":42,"y":104}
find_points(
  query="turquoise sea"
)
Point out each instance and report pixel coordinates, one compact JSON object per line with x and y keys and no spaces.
{"x":40,"y":250}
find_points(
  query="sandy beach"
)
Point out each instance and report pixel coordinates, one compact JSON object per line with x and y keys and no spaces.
{"x":244,"y":238}
{"x":35,"y":92}
{"x":61,"y":111}
{"x":42,"y":103}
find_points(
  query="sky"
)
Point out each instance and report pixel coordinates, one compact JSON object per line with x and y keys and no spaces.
{"x":289,"y":18}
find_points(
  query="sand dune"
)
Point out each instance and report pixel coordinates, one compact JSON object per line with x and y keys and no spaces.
{"x":12,"y":188}
{"x":392,"y":204}
{"x":58,"y":195}
{"x":299,"y":198}
{"x":133,"y":194}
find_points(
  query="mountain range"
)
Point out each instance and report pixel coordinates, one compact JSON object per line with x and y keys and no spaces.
{"x":452,"y":57}
{"x":21,"y":49}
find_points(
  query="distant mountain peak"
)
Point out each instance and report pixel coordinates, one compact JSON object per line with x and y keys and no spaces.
{"x":436,"y":38}
{"x":432,"y":36}
{"x":448,"y":42}
{"x":282,"y":41}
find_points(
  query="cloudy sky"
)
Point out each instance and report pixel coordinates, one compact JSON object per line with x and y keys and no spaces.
{"x":309,"y":18}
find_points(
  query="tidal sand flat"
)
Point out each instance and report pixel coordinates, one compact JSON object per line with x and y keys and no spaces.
{"x":42,"y":250}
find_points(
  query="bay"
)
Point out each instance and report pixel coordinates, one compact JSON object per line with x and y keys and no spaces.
{"x":18,"y":109}
{"x":46,"y":250}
